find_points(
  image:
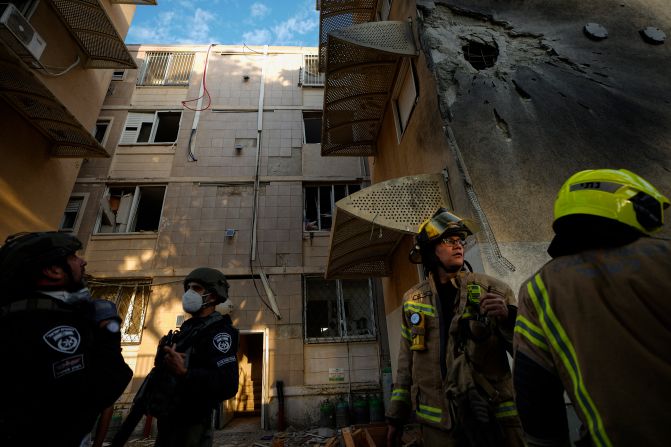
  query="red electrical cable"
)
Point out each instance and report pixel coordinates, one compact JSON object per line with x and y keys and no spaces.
{"x":205,"y":91}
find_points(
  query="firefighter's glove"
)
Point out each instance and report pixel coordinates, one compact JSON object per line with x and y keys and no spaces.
{"x":478,"y":406}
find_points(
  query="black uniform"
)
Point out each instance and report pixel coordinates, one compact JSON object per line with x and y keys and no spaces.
{"x":211,"y":344}
{"x":59,"y":371}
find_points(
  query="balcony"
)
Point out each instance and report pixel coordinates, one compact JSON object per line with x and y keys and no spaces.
{"x":369,"y":224}
{"x":94,"y":32}
{"x":29,"y":97}
{"x":361,"y":66}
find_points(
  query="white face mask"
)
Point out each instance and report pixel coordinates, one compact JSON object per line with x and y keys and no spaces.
{"x":70,"y":297}
{"x":192,"y":301}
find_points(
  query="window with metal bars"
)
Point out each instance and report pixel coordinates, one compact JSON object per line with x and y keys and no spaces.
{"x":166,"y":68}
{"x":310,"y":75}
{"x":338,"y":310}
{"x":131,"y":297}
{"x":320,"y":202}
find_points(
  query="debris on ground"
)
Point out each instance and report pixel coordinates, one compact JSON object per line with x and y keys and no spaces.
{"x":365,"y":435}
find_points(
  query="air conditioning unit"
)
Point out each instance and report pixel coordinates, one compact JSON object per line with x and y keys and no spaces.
{"x":17,"y":33}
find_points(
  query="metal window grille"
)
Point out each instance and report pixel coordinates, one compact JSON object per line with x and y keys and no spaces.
{"x":310,"y":75}
{"x":131,"y":299}
{"x":320,"y":202}
{"x":166,"y":68}
{"x":338,"y":310}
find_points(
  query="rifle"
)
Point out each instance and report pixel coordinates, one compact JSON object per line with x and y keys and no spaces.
{"x":137,"y":410}
{"x":140,"y":405}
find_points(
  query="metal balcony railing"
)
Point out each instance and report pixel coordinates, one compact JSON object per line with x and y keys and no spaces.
{"x":310,"y":75}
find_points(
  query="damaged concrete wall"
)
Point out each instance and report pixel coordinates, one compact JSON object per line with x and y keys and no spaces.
{"x":531,"y":99}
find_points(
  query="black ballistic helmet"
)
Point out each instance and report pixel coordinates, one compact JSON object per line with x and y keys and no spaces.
{"x":24,"y":253}
{"x":213,"y":280}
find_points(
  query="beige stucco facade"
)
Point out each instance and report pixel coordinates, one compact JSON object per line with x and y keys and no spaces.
{"x":34,"y":184}
{"x":210,"y":183}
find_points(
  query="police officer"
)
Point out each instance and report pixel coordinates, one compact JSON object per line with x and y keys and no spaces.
{"x":201,"y":361}
{"x":61,"y":353}
{"x":456,"y":327}
{"x":594,"y":321}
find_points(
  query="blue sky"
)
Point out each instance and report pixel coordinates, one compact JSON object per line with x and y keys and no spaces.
{"x":253,"y":22}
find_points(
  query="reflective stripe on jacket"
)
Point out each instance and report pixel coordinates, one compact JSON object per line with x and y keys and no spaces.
{"x":419,"y":387}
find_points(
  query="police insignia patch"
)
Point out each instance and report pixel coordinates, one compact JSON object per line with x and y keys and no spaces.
{"x":63,"y":339}
{"x":222,"y":341}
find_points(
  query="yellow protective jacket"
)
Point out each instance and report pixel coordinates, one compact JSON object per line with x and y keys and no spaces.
{"x":600,"y":320}
{"x":419,"y":385}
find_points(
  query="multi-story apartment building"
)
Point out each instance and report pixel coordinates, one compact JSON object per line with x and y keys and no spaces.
{"x":56,"y":61}
{"x":216,"y":161}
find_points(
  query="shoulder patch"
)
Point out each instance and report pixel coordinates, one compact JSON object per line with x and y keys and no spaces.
{"x":63,"y":339}
{"x":222,"y":341}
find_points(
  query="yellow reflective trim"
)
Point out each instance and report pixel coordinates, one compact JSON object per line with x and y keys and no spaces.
{"x":400,"y":394}
{"x":562,"y":345}
{"x":506,"y":409}
{"x":422,"y":308}
{"x":531,"y":332}
{"x":405,"y":332}
{"x":432,"y":414}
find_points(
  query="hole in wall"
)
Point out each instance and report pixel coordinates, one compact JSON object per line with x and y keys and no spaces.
{"x":480,"y":55}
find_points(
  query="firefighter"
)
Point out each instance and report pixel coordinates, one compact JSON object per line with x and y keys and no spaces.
{"x":594,"y":321}
{"x":456,"y":328}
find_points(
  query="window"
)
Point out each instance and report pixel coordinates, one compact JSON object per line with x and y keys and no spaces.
{"x":320,"y":203}
{"x":151,"y":127}
{"x":405,"y":99}
{"x":310,"y":75}
{"x":312,"y":127}
{"x":129,"y":209}
{"x":166,"y":68}
{"x":102,"y":128}
{"x":337,"y":310}
{"x":72,"y":215}
{"x":131,"y":298}
{"x":118,"y":75}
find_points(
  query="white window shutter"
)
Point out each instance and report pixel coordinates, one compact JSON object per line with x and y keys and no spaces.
{"x":131,"y":129}
{"x":123,"y":213}
{"x":406,"y":98}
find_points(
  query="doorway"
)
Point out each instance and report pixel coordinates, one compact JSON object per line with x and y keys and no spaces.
{"x":249,"y":399}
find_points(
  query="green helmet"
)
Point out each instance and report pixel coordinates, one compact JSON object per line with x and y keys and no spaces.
{"x":213,"y":280}
{"x":442,"y":223}
{"x":23,"y":253}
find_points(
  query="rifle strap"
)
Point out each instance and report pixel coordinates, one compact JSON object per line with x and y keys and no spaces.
{"x":492,"y":394}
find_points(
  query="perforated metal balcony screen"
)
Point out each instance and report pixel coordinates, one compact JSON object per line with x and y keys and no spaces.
{"x":338,"y":14}
{"x":23,"y":91}
{"x":361,"y":68}
{"x":370,"y":223}
{"x":94,"y":32}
